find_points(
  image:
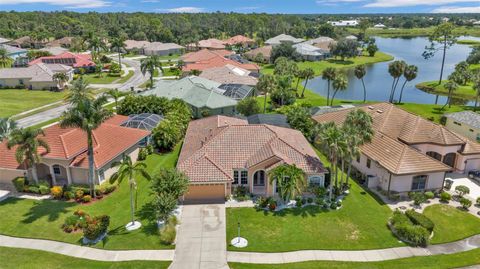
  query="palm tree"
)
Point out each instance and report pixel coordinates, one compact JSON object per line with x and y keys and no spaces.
{"x":95,"y":44}
{"x":115,"y":94}
{"x":289,"y":179}
{"x":395,"y":69}
{"x":340,"y":83}
{"x":60,"y":78}
{"x":266,"y":84}
{"x":5,"y":60}
{"x":410,"y":73}
{"x":79,"y":91}
{"x":329,"y":74}
{"x":7,"y":125}
{"x":360,"y":72}
{"x":307,"y":74}
{"x":27,"y":145}
{"x":299,"y":74}
{"x":128,"y":170}
{"x":150,"y":64}
{"x":451,"y":86}
{"x":87,"y":114}
{"x":118,"y":44}
{"x":476,"y":87}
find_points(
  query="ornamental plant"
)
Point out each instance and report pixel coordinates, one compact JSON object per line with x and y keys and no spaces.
{"x":57,"y":192}
{"x":466,"y":203}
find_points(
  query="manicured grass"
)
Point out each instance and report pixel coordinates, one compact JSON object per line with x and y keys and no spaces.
{"x":457,"y":260}
{"x":430,"y":111}
{"x":451,"y":224}
{"x":167,"y":72}
{"x":126,"y":78}
{"x":463,"y":91}
{"x":93,"y":78}
{"x":319,"y":66}
{"x":414,"y":32}
{"x":43,"y":219}
{"x":468,"y":42}
{"x":27,"y":258}
{"x":14,"y":101}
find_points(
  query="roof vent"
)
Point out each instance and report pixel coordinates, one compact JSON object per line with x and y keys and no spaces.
{"x":370,"y":107}
{"x":379,"y":111}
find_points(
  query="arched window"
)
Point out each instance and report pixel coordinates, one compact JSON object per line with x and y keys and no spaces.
{"x":435,"y":155}
{"x":259,"y":178}
{"x":449,"y":159}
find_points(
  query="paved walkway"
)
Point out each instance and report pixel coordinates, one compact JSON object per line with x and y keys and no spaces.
{"x":201,"y":238}
{"x":354,"y":255}
{"x":86,"y":252}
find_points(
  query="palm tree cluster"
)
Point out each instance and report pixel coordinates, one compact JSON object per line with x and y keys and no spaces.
{"x":334,"y":79}
{"x":397,"y":69}
{"x":341,"y":144}
{"x":149,"y":65}
{"x":289,"y":181}
{"x":5,"y":60}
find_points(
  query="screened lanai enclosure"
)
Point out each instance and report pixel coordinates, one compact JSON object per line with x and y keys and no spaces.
{"x":145,"y":121}
{"x":237,"y":91}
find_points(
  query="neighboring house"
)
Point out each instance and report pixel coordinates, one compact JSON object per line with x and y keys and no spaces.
{"x":465,"y":123}
{"x":218,"y":61}
{"x":407,"y":152}
{"x":54,"y":50}
{"x":324,"y":43}
{"x":163,"y":49}
{"x":283,"y":38}
{"x":230,"y":74}
{"x":310,"y":53}
{"x":136,"y":46}
{"x":64,"y":42}
{"x":240,"y":40}
{"x":4,"y":40}
{"x":264,"y":52}
{"x":344,"y":23}
{"x":28,"y":42}
{"x":236,"y":91}
{"x":38,"y":76}
{"x":75,"y":60}
{"x":381,"y":26}
{"x":279,"y":120}
{"x":67,"y":161}
{"x":211,"y":43}
{"x":204,"y":55}
{"x":220,"y":153}
{"x":203,"y":95}
{"x":14,"y":52}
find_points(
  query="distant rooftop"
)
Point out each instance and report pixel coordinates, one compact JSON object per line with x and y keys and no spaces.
{"x":467,"y":117}
{"x":279,"y":120}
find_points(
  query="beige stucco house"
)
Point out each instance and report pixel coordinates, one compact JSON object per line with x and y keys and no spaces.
{"x":38,"y":76}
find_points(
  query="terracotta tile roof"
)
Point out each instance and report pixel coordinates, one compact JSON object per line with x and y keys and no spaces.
{"x":218,"y":61}
{"x":217,"y":145}
{"x":64,"y":41}
{"x":109,"y":140}
{"x":229,"y":74}
{"x":67,"y":58}
{"x":203,"y":55}
{"x":7,"y":157}
{"x":266,"y":51}
{"x":239,"y":39}
{"x":211,"y":43}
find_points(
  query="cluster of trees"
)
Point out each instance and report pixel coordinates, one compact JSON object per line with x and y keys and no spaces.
{"x":335,"y":79}
{"x":397,"y":69}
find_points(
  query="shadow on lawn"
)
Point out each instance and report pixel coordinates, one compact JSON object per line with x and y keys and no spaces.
{"x":340,"y":62}
{"x":47,"y":208}
{"x":308,"y":211}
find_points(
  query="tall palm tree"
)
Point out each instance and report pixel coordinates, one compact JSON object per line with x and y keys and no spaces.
{"x":87,"y":114}
{"x":61,"y":79}
{"x":307,"y":74}
{"x":150,"y":64}
{"x":7,"y":125}
{"x":395,"y":69}
{"x":360,"y":72}
{"x":95,"y":44}
{"x":289,"y":179}
{"x":476,"y":87}
{"x":115,"y":94}
{"x":79,"y":91}
{"x":299,"y":74}
{"x":329,"y":74}
{"x":118,"y":44}
{"x":5,"y":60}
{"x":410,"y":73}
{"x":340,"y":83}
{"x":451,"y":86}
{"x":266,"y":84}
{"x":128,"y":170}
{"x":28,"y":142}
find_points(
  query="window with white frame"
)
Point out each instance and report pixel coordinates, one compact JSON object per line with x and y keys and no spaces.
{"x":240,"y":177}
{"x":419,"y":182}
{"x":316,"y":180}
{"x":56,"y":169}
{"x":101,"y":175}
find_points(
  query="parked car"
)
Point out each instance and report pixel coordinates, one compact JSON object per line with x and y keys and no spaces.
{"x":474,"y":174}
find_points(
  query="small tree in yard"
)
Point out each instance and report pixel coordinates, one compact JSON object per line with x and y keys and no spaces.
{"x":461,"y":190}
{"x":290,"y":180}
{"x":248,"y":106}
{"x":466,"y":203}
{"x":166,"y":135}
{"x":372,"y":49}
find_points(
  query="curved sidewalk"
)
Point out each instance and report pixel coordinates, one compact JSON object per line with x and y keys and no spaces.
{"x":353,"y":255}
{"x":86,"y":252}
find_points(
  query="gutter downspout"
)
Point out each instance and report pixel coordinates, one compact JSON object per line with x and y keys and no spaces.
{"x":443,"y":183}
{"x":389,"y":182}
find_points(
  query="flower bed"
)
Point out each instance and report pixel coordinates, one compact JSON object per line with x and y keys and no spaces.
{"x":94,"y":228}
{"x":269,"y":203}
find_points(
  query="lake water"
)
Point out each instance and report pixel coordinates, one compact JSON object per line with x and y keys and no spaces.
{"x":378,"y":81}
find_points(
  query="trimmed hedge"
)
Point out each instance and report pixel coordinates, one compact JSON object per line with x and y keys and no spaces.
{"x":407,"y":230}
{"x":19,"y":183}
{"x":420,"y":219}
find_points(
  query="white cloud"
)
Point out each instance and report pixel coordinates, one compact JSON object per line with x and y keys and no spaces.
{"x":320,"y":2}
{"x":405,"y":3}
{"x":453,"y":9}
{"x":149,"y":1}
{"x":64,"y":3}
{"x":182,"y":10}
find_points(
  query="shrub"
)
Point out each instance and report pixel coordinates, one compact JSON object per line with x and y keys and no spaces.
{"x":445,"y":197}
{"x":272,"y":205}
{"x":429,"y":195}
{"x":248,"y":106}
{"x":44,"y":189}
{"x":19,"y":183}
{"x":418,"y":198}
{"x":78,"y":194}
{"x":57,"y":192}
{"x":320,"y":201}
{"x":142,"y":154}
{"x":168,"y":233}
{"x":43,"y":183}
{"x":68,"y":195}
{"x":461,"y":190}
{"x":96,"y":226}
{"x":333,"y":205}
{"x":80,"y":213}
{"x":109,"y":189}
{"x":86,"y":198}
{"x":33,"y":189}
{"x":478,"y":200}
{"x":339,"y":203}
{"x":240,"y":192}
{"x":399,"y":218}
{"x":298,"y":201}
{"x":149,"y":149}
{"x":415,"y":234}
{"x":263,"y":201}
{"x":309,"y":200}
{"x":466,"y":203}
{"x":420,"y":219}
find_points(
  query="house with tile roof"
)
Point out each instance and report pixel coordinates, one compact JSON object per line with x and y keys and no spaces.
{"x":240,"y":40}
{"x":203,"y":95}
{"x":407,"y":152}
{"x":14,"y":52}
{"x":218,"y":61}
{"x":465,"y":123}
{"x":162,"y":49}
{"x":64,"y":42}
{"x":230,"y":74}
{"x":204,"y":55}
{"x":67,"y":161}
{"x":75,"y":60}
{"x":283,"y":38}
{"x":220,"y":153}
{"x":211,"y":43}
{"x":264,"y":52}
{"x":38,"y":76}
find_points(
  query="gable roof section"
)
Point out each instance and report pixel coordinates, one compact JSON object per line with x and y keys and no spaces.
{"x":38,"y":72}
{"x":229,"y":74}
{"x":239,"y":39}
{"x":218,"y":61}
{"x":203,"y":55}
{"x":283,"y":38}
{"x":467,"y":117}
{"x":66,"y":58}
{"x":231,"y":143}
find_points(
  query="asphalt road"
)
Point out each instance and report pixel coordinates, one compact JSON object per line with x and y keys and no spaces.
{"x":136,"y":80}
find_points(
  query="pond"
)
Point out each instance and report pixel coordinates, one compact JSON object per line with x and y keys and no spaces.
{"x":378,"y":81}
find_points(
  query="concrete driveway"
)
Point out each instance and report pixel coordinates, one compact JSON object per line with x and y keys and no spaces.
{"x":201,"y":239}
{"x":462,"y":179}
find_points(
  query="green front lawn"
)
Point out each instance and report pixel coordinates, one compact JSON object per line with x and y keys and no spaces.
{"x":457,"y":260}
{"x":43,"y":219}
{"x":27,"y":258}
{"x":319,"y":66}
{"x":126,"y":78}
{"x":105,"y":78}
{"x":451,"y":224}
{"x":463,"y":92}
{"x":14,"y":101}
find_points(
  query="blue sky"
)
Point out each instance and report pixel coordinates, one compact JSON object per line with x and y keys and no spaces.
{"x":248,"y":6}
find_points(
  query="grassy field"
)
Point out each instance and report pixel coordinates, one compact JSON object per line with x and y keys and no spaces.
{"x":319,"y":66}
{"x":468,"y":42}
{"x":414,"y":32}
{"x":14,"y":101}
{"x":126,"y":78}
{"x":43,"y":219}
{"x":451,"y":224}
{"x":13,"y":258}
{"x":463,"y":92}
{"x":93,"y":78}
{"x":457,"y":260}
